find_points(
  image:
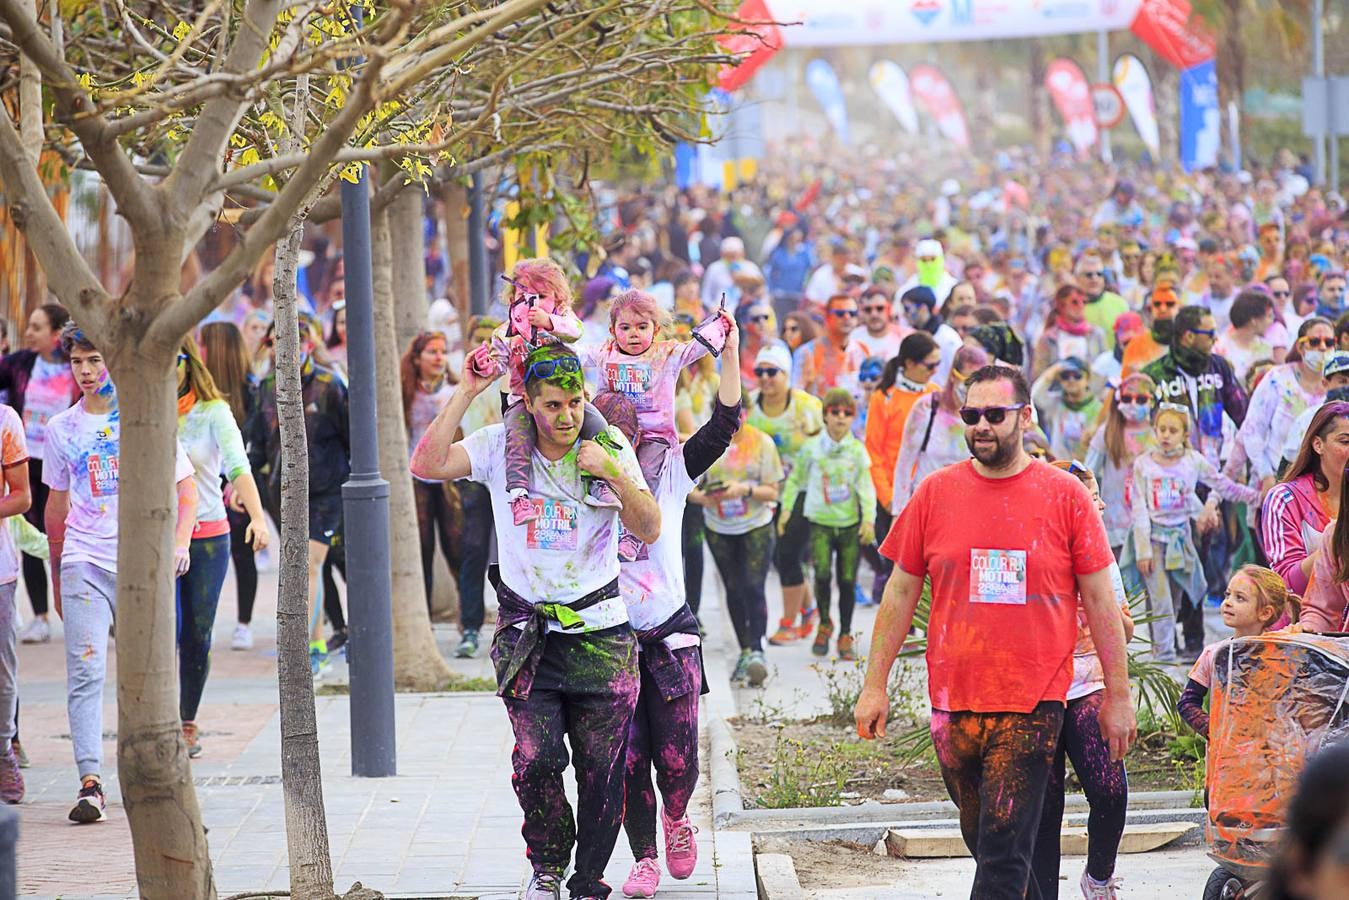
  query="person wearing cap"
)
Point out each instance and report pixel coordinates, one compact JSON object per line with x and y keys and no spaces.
{"x":1282,"y":396}
{"x":919,"y":303}
{"x":1336,"y":373}
{"x":931,"y":271}
{"x":834,"y":358}
{"x":1253,"y":334}
{"x":1120,"y":208}
{"x":720,"y":275}
{"x":1068,"y":409}
{"x":827,"y":280}
{"x":1103,"y":306}
{"x":1107,"y":367}
{"x":789,"y":417}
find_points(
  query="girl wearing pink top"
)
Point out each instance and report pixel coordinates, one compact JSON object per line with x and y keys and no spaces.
{"x":633,"y":363}
{"x":1299,"y":508}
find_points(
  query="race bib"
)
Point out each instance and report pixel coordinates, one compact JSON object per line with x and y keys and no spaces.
{"x":835,"y":492}
{"x":1168,"y":494}
{"x":102,"y":475}
{"x":35,"y":422}
{"x":998,"y":576}
{"x":632,"y":380}
{"x":555,"y":528}
{"x":732,"y":508}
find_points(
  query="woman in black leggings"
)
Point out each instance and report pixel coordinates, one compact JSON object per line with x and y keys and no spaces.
{"x":737,"y":496}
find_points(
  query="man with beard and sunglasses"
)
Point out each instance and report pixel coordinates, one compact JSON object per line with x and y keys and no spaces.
{"x":1008,"y":573}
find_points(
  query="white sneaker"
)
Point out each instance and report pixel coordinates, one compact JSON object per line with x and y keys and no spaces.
{"x":37,"y":632}
{"x":1095,"y":890}
{"x":243,"y":637}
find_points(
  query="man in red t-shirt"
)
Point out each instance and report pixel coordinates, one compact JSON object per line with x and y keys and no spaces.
{"x":1009,"y":544}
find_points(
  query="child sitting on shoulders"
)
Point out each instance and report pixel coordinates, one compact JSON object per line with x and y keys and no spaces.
{"x":1256,"y":599}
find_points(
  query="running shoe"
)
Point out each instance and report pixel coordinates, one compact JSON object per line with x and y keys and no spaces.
{"x":37,"y":632}
{"x":741,"y":672}
{"x":19,"y":754}
{"x":786,"y":634}
{"x":808,"y":619}
{"x":468,"y":645}
{"x":846,"y":653}
{"x":89,"y":804}
{"x":601,"y":495}
{"x":243,"y":637}
{"x":643,"y":879}
{"x":1098,"y":890}
{"x":822,"y":636}
{"x":756,"y":669}
{"x":11,"y":779}
{"x":337,"y":640}
{"x":629,"y":548}
{"x":544,"y":884}
{"x":191,"y":738}
{"x":681,"y":850}
{"x":522,"y":510}
{"x":862,"y":597}
{"x":318,"y":656}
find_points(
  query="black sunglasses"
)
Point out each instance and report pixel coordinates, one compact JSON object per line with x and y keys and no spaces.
{"x":995,"y":415}
{"x":844,"y":313}
{"x":761,"y":318}
{"x":767,"y":372}
{"x":545,"y":368}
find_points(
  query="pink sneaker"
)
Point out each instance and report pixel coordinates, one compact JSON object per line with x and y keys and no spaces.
{"x":11,"y":779}
{"x":643,"y":879}
{"x":681,"y":850}
{"x":629,"y":548}
{"x":523,"y":511}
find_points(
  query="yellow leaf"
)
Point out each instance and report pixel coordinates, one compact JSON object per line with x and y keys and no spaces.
{"x":249,"y":156}
{"x":181,"y":30}
{"x":86,"y":81}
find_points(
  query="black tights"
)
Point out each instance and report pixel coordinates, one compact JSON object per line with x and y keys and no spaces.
{"x":245,"y":565}
{"x":34,"y":571}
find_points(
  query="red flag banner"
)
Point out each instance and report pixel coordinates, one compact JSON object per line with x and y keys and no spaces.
{"x":1168,"y":27}
{"x":1072,"y":97}
{"x":754,"y":39}
{"x":936,"y":96}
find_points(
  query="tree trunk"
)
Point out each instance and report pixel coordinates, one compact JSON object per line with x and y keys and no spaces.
{"x":172,"y":859}
{"x":1039,"y":100}
{"x":409,"y":268}
{"x":1231,"y":66}
{"x":456,"y":244}
{"x":311,"y":868}
{"x":418,"y":665}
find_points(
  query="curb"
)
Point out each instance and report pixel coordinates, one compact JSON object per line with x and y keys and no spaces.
{"x":776,"y":877}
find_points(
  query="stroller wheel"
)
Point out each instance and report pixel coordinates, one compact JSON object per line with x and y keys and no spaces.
{"x":1223,"y":885}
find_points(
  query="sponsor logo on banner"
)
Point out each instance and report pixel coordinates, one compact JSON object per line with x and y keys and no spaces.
{"x":1168,"y":27}
{"x":925,"y":10}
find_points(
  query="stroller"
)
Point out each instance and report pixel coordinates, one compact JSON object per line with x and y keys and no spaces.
{"x":1276,"y":700}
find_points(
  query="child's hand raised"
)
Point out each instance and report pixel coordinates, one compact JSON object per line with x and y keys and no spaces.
{"x":541,"y":318}
{"x":732,"y":333}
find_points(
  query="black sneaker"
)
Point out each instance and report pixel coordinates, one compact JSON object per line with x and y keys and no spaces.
{"x":337,"y":641}
{"x":468,"y":645}
{"x":89,"y":805}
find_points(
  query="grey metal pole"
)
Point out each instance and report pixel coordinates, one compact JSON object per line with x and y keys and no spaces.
{"x":365,"y":510}
{"x":1103,"y":76}
{"x":479,"y":279}
{"x":1319,"y":70}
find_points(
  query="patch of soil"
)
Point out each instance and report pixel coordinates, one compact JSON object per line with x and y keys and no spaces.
{"x":769,"y":752}
{"x":832,"y":864}
{"x":870,"y":768}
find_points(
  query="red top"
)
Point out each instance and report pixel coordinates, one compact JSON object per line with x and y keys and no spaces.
{"x":1004,"y":555}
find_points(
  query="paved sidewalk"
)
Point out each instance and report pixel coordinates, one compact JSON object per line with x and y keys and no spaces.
{"x":448,"y":824}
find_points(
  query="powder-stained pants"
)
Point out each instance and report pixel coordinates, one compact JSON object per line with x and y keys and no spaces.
{"x":664,"y":734}
{"x":996,"y":766}
{"x":1107,"y":789}
{"x":198,"y":596}
{"x":835,"y":550}
{"x":88,"y":607}
{"x":585,"y":689}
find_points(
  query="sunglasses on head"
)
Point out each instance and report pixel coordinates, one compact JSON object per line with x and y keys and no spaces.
{"x":546,"y":368}
{"x":1320,"y":343}
{"x":767,"y":372}
{"x":1078,"y":468}
{"x":995,"y":415}
{"x":844,"y":313}
{"x":182,"y":358}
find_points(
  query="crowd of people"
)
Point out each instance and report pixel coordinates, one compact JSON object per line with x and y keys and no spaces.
{"x":1141,"y":375}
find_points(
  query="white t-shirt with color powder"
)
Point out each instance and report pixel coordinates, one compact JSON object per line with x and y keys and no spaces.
{"x":571,"y":550}
{"x":653,"y":588}
{"x":13,"y":451}
{"x":50,"y":387}
{"x":82,"y":458}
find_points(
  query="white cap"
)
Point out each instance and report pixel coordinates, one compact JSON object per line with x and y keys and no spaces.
{"x":928,"y":247}
{"x":950,"y":187}
{"x":732,"y":245}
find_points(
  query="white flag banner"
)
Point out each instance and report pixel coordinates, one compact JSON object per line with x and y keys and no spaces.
{"x":1133,"y":83}
{"x":892,"y":86}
